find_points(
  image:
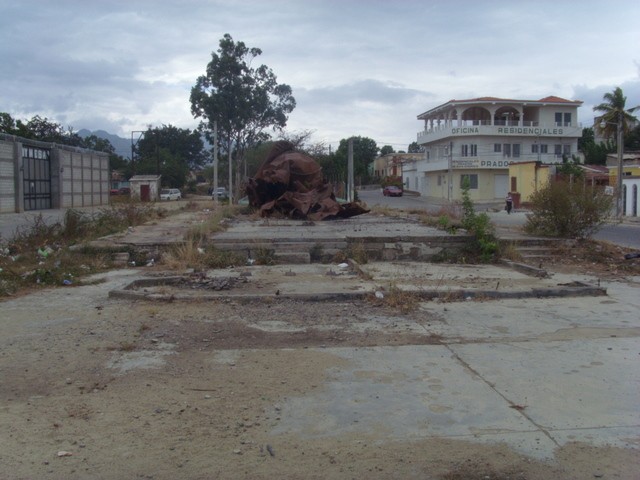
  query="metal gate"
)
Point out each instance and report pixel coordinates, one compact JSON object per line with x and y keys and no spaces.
{"x":36,"y":166}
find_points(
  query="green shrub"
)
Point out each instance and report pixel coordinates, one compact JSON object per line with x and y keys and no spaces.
{"x":568,"y":210}
{"x":485,"y":244}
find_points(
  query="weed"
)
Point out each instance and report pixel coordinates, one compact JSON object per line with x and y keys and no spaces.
{"x":316,"y":253}
{"x":510,"y":252}
{"x":38,"y":254}
{"x":264,"y":256}
{"x":192,"y":254}
{"x":485,"y":245}
{"x":358,"y":252}
{"x":397,"y":299}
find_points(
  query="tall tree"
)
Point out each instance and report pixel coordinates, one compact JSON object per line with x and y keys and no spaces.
{"x":179,"y":142}
{"x":386,"y":150}
{"x":243,"y":100}
{"x":613,"y":110}
{"x":365,"y":151}
{"x":414,"y":148}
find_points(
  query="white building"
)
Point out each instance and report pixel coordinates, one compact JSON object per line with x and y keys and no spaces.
{"x":479,"y":138}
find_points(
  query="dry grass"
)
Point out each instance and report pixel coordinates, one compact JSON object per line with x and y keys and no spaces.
{"x":196,"y":254}
{"x":510,"y":252}
{"x":397,"y":299}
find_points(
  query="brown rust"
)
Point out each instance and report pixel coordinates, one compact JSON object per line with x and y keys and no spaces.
{"x":291,"y":183}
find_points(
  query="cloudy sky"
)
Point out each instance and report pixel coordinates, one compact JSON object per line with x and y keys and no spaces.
{"x":356,"y":67}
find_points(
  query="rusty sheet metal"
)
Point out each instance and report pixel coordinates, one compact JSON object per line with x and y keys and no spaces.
{"x":291,"y":184}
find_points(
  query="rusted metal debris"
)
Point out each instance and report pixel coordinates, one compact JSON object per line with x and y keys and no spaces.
{"x":291,"y":184}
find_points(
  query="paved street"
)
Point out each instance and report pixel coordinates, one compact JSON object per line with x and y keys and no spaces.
{"x":626,"y":234}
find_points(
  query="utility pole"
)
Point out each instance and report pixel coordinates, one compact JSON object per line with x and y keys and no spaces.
{"x":230,"y":174}
{"x":215,"y":161}
{"x":619,"y":209}
{"x":350,"y":182}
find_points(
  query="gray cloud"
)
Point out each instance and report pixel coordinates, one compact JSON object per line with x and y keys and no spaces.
{"x":357,"y":67}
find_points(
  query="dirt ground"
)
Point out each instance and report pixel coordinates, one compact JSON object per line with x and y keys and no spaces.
{"x":94,"y":387}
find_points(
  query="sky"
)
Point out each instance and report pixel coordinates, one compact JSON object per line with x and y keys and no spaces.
{"x":356,"y":67}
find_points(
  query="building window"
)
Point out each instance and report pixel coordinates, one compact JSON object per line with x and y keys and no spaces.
{"x":543,"y":148}
{"x":557,"y":150}
{"x":516,"y":150}
{"x":469,"y":150}
{"x":563,"y":119}
{"x":534,"y":148}
{"x":558,"y":119}
{"x":566,"y":150}
{"x":472,"y":179}
{"x":506,"y":150}
{"x":497,"y":148}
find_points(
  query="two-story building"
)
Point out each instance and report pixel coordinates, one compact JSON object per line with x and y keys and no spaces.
{"x":480,"y":139}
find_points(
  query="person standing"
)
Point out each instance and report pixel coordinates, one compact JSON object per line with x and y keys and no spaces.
{"x":509,"y":206}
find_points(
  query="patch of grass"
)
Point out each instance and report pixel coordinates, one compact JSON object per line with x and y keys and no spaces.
{"x":264,"y":256}
{"x":510,"y":252}
{"x":39,"y":255}
{"x":197,"y":255}
{"x":397,"y":299}
{"x":357,"y":252}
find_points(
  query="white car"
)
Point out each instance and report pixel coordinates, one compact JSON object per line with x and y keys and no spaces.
{"x":170,"y":194}
{"x":222,"y":193}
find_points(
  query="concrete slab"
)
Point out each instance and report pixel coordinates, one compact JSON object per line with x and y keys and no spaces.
{"x":533,"y":319}
{"x":410,"y":392}
{"x":567,"y":387}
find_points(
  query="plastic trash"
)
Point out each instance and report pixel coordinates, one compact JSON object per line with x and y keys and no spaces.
{"x":66,"y":282}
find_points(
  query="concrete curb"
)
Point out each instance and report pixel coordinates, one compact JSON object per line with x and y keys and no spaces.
{"x":577,"y":289}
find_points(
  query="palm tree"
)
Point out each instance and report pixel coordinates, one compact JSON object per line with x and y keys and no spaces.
{"x":613,"y":111}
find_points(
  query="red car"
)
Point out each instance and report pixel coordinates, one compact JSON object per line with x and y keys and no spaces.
{"x":392,"y":191}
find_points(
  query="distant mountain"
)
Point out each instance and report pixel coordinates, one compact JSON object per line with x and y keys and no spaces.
{"x":122,"y":145}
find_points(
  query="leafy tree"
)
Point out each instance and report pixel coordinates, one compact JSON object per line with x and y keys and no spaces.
{"x":386,"y":150}
{"x":173,"y":168}
{"x":181,"y":143}
{"x":414,"y":148}
{"x":594,"y":153}
{"x":93,"y":142}
{"x":569,"y":210}
{"x":632,"y":141}
{"x":243,"y":100}
{"x":7,"y":124}
{"x":613,"y":110}
{"x":365,"y":151}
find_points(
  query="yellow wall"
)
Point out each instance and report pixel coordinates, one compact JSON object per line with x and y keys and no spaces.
{"x":529,"y":178}
{"x":633,"y":170}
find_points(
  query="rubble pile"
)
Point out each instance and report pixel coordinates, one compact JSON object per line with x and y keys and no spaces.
{"x":291,"y":184}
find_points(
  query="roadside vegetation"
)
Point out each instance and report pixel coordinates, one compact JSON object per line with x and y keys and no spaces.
{"x":40,"y":254}
{"x":45,"y":254}
{"x":483,"y":246}
{"x":568,"y":210}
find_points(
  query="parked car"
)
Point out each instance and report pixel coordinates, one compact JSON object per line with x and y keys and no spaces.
{"x":114,"y":191}
{"x":170,"y":194}
{"x":222,"y":193}
{"x":392,"y":191}
{"x":124,"y":191}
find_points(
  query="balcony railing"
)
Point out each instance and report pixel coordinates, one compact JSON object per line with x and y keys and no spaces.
{"x":526,"y":129}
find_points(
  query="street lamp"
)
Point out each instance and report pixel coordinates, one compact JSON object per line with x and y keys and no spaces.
{"x":619,"y":179}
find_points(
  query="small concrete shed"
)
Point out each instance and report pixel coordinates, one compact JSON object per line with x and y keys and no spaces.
{"x":145,"y":188}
